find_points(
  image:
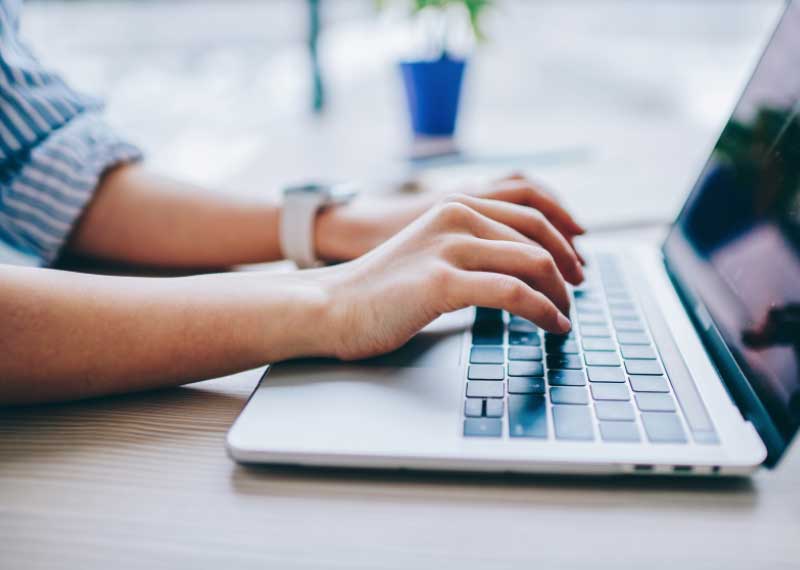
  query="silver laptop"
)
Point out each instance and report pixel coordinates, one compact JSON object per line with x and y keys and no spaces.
{"x":683,"y":359}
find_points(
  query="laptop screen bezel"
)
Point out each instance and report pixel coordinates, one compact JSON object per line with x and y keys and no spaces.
{"x":733,"y":376}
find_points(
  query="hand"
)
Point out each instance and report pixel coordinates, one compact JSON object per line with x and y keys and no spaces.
{"x":465,"y":251}
{"x":349,"y":231}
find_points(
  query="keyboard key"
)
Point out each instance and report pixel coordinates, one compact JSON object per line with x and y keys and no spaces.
{"x":605,"y":374}
{"x":588,"y":307}
{"x":564,"y":361}
{"x":584,"y":293}
{"x":618,"y":295}
{"x":484,"y":389}
{"x":486,"y":355}
{"x":518,"y":324}
{"x":485,"y":372}
{"x":573,"y":422}
{"x":615,"y":411}
{"x":568,"y":347}
{"x":473,"y":407}
{"x":520,"y":385}
{"x":525,"y":339}
{"x":599,"y":344}
{"x":483,"y":337}
{"x":602,"y":359}
{"x":494,"y":408}
{"x":527,"y":416}
{"x":649,"y":384}
{"x":652,"y":402}
{"x":521,"y":368}
{"x":568,"y":395}
{"x":629,"y":326}
{"x":488,"y":327}
{"x":592,"y":319}
{"x":483,"y":427}
{"x":644,"y":367}
{"x":634,"y":352}
{"x":595,"y":331}
{"x":552,"y":338}
{"x":633,"y":338}
{"x":488,"y":315}
{"x":623,"y":315}
{"x":610,"y":392}
{"x":524,"y":353}
{"x":663,"y":428}
{"x":619,"y":431}
{"x":566,"y":378}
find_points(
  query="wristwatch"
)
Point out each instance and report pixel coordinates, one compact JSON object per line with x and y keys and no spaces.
{"x":301,"y":204}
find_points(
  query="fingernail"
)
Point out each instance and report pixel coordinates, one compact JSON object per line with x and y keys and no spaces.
{"x":563,"y":323}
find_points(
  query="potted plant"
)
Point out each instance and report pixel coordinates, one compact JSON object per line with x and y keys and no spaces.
{"x":433,"y":78}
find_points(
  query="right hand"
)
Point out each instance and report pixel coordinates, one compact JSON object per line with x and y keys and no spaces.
{"x":466,"y":251}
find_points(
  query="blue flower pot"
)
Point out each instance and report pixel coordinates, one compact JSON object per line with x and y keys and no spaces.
{"x":433,"y":89}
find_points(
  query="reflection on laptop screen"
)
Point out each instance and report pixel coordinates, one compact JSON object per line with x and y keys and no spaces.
{"x":737,"y":241}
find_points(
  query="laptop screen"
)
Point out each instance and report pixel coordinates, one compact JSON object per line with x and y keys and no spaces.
{"x":735,"y":248}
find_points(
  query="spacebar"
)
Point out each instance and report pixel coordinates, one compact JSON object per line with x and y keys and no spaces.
{"x":685,"y":390}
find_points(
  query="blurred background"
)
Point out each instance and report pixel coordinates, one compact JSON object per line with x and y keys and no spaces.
{"x":613,"y":103}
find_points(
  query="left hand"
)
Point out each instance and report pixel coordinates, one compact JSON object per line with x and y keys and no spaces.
{"x":347,"y":232}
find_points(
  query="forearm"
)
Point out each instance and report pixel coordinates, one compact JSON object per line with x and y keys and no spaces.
{"x":140,"y":218}
{"x":67,"y":335}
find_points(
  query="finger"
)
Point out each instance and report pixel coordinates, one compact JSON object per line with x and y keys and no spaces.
{"x":526,"y":193}
{"x":519,"y":190}
{"x":527,"y":262}
{"x":500,"y":291}
{"x":485,"y":228}
{"x":534,"y":225}
{"x":581,"y":259}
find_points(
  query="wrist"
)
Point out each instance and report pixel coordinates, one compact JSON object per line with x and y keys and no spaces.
{"x":339,"y":236}
{"x":304,"y":329}
{"x":349,"y":231}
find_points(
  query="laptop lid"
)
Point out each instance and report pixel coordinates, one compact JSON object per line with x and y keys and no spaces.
{"x":734,"y":251}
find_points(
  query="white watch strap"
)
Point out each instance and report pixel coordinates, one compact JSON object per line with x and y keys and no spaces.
{"x":297,"y":227}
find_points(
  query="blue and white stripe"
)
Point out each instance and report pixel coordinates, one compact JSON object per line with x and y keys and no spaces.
{"x":54,"y":147}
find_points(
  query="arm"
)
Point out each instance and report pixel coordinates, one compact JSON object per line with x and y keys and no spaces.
{"x":69,"y":335}
{"x":141,"y":218}
{"x":66,"y":335}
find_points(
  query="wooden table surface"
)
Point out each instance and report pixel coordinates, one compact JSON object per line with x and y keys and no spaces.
{"x":142,"y":481}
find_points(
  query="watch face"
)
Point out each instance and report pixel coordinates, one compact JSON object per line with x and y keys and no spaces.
{"x":308,"y":189}
{"x":328,"y":193}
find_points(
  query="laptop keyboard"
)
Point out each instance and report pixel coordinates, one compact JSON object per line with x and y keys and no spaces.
{"x":603,"y":381}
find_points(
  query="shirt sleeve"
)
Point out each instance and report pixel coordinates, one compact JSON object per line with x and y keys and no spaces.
{"x":41,"y":201}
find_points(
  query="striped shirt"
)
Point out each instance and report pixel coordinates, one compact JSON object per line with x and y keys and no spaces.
{"x":54,"y":147}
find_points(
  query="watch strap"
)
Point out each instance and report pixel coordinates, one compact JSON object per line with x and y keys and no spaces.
{"x":298,"y":216}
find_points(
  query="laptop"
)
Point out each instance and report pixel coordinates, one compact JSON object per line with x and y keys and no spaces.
{"x":683,"y":359}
